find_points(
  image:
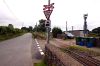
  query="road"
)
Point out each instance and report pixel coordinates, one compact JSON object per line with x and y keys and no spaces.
{"x":17,"y":51}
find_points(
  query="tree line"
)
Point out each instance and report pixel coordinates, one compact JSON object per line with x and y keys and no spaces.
{"x":41,"y":28}
{"x":6,"y":30}
{"x":37,"y":28}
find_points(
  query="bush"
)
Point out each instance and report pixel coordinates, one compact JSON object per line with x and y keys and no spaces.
{"x":55,"y":31}
{"x":9,"y":31}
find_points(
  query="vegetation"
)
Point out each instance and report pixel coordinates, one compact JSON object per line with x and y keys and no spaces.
{"x":40,"y":64}
{"x":39,"y":31}
{"x":9,"y":31}
{"x":29,"y":29}
{"x":92,"y":34}
{"x":41,"y":27}
{"x":39,"y":35}
{"x":79,"y":49}
{"x":55,"y":31}
{"x":95,"y":32}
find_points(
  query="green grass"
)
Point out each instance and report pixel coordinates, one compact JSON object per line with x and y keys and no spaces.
{"x":40,"y":64}
{"x":80,"y":49}
{"x":39,"y":35}
{"x":9,"y":36}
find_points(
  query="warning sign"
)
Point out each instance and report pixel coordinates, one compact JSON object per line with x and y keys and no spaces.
{"x":47,"y":13}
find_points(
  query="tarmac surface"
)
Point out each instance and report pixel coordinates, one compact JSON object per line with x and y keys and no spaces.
{"x":16,"y":51}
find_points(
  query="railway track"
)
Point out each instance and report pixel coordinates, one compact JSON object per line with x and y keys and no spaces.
{"x":84,"y":59}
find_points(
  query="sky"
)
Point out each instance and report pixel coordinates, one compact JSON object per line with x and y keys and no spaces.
{"x":28,"y":12}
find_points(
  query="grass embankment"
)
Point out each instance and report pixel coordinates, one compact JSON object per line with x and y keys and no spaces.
{"x":9,"y":36}
{"x":40,"y":64}
{"x":80,"y":49}
{"x":39,"y":35}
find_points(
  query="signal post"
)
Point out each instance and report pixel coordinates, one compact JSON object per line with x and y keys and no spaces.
{"x":47,"y":12}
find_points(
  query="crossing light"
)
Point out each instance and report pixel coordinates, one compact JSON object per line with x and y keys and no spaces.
{"x":47,"y":23}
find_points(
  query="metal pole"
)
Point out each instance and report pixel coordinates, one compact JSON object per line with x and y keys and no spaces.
{"x":72,"y":29}
{"x":47,"y":35}
{"x":36,"y":26}
{"x":85,"y":25}
{"x":48,"y":2}
{"x":48,"y":28}
{"x":66,"y":26}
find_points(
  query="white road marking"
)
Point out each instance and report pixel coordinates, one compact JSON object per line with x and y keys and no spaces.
{"x":38,"y":45}
{"x":41,"y":51}
{"x":36,"y":41}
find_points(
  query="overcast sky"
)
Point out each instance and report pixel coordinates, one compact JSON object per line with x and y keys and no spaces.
{"x":28,"y":12}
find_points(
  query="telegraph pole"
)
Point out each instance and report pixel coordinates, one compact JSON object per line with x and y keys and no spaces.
{"x":36,"y":26}
{"x":66,"y":27}
{"x":72,"y":29}
{"x":47,"y":12}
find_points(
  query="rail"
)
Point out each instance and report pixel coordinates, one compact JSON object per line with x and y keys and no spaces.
{"x":55,"y":57}
{"x":84,"y":59}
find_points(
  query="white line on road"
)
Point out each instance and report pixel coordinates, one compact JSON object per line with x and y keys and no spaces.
{"x":41,"y":51}
{"x":38,"y":45}
{"x":36,"y":41}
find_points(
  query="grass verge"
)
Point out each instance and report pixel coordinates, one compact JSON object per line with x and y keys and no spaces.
{"x":9,"y":36}
{"x":42,"y":63}
{"x":80,"y":49}
{"x":39,"y":35}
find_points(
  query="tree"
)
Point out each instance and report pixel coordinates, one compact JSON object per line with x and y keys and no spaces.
{"x":11,"y":26}
{"x":30,"y":28}
{"x":96,"y":30}
{"x":35,"y":28}
{"x":24,"y":28}
{"x":9,"y":30}
{"x":55,"y":31}
{"x":3,"y":30}
{"x":41,"y":27}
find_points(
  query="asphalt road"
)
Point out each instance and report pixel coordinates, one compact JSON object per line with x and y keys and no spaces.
{"x":17,"y":51}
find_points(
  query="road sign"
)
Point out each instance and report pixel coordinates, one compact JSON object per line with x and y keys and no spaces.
{"x":51,"y":8}
{"x":47,"y":13}
{"x":47,"y":23}
{"x":48,"y":6}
